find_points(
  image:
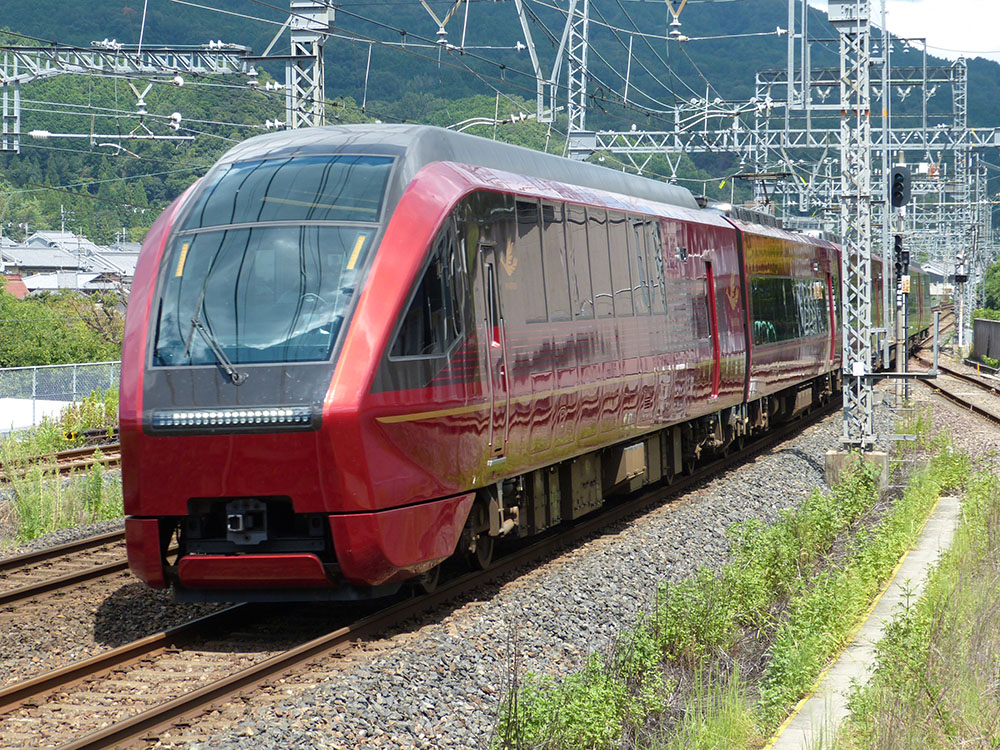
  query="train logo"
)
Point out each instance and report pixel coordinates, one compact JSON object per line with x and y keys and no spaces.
{"x":508,"y":260}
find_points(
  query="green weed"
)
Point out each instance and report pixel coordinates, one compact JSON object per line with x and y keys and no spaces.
{"x":935,"y":680}
{"x":775,"y":584}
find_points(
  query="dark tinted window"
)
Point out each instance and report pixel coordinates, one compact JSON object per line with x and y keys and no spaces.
{"x":433,"y":320}
{"x":620,"y":278}
{"x":264,"y":294}
{"x":554,"y":263}
{"x":810,"y":301}
{"x":785,"y":309}
{"x":700,"y":309}
{"x":600,"y":265}
{"x":524,"y":285}
{"x":576,"y":250}
{"x":657,"y":276}
{"x":637,"y":266}
{"x":307,"y":188}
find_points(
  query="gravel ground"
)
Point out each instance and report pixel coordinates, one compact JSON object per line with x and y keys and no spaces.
{"x":439,"y":684}
{"x":64,"y":536}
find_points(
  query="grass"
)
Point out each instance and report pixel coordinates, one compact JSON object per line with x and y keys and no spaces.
{"x":936,"y":682}
{"x":784,"y":606}
{"x":43,"y":501}
{"x":98,"y":411}
{"x":38,"y":500}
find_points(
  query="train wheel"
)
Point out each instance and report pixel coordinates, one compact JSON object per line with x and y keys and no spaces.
{"x":427,"y":582}
{"x":481,"y":553}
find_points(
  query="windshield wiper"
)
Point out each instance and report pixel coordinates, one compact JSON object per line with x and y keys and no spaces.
{"x":237,"y":377}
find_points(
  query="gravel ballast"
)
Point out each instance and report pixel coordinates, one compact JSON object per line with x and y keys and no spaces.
{"x":440,"y":683}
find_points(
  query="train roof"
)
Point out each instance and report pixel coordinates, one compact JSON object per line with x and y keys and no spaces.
{"x":419,"y":145}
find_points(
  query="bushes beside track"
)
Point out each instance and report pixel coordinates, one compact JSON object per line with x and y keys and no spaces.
{"x":722,"y":657}
{"x":935,"y":677}
{"x":36,"y":500}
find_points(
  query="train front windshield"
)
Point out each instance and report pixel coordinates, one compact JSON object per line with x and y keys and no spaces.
{"x":268,"y":260}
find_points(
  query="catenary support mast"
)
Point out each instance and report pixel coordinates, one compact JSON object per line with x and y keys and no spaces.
{"x":851,"y":19}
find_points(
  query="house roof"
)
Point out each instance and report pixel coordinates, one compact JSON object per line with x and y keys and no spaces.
{"x":15,"y":285}
{"x":41,"y":257}
{"x":72,"y":280}
{"x":73,"y":243}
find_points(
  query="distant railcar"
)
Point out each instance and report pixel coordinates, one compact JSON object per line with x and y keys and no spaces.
{"x":353,"y":352}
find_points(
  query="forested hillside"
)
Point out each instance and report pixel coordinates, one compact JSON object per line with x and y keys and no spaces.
{"x":102,"y":188}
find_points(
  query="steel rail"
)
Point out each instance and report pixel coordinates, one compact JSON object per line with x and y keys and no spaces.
{"x":29,"y":691}
{"x":196,"y":702}
{"x":972,"y":379}
{"x":961,"y":401}
{"x":30,"y":558}
{"x":67,"y":460}
{"x":63,"y":581}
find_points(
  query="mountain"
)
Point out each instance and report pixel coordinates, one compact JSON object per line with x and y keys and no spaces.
{"x":408,"y":77}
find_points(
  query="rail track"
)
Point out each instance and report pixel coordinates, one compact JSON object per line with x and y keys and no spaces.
{"x":140,"y":689}
{"x":982,"y":401}
{"x":35,"y":573}
{"x":108,"y":455}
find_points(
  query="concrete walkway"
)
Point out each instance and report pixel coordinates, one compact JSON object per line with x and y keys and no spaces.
{"x":811,"y":725}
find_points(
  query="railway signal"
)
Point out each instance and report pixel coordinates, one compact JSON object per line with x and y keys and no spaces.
{"x":899,"y":186}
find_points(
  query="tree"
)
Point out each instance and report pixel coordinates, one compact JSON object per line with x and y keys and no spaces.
{"x":991,"y":287}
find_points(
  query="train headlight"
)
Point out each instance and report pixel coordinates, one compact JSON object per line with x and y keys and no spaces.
{"x":300,"y":417}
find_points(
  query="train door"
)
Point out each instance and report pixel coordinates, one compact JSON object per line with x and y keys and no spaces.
{"x":496,"y":354}
{"x":833,"y":317}
{"x":713,"y":321}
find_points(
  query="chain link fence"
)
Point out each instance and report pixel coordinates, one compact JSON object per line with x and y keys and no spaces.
{"x":27,"y":394}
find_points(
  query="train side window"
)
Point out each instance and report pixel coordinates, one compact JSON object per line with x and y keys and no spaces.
{"x":811,"y":305}
{"x":600,"y":264}
{"x":581,"y":294}
{"x":638,"y":266}
{"x":657,"y":275}
{"x":523,"y":264}
{"x":554,"y":263}
{"x":433,"y":321}
{"x":700,"y":308}
{"x":775,"y":312}
{"x":620,"y":278}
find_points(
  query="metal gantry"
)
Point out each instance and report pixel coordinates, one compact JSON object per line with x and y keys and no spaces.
{"x":579,"y":30}
{"x":851,"y":19}
{"x":23,"y":65}
{"x":305,"y":99}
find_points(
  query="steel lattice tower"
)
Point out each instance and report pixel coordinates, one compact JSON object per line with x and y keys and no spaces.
{"x":851,"y":19}
{"x":305,"y":101}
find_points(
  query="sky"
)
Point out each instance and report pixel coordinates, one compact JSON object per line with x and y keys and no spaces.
{"x":951,"y":27}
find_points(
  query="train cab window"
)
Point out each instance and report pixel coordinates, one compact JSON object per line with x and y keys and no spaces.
{"x":523,"y":279}
{"x":300,"y":188}
{"x":620,"y":278}
{"x":433,"y":320}
{"x":657,"y":276}
{"x":554,"y":263}
{"x":581,"y":295}
{"x":600,"y":264}
{"x":267,"y":293}
{"x":638,"y":266}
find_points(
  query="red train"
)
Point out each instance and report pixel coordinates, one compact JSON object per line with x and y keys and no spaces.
{"x":352,"y":352}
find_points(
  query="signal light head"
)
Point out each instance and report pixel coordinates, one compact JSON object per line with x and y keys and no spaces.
{"x":899,"y":186}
